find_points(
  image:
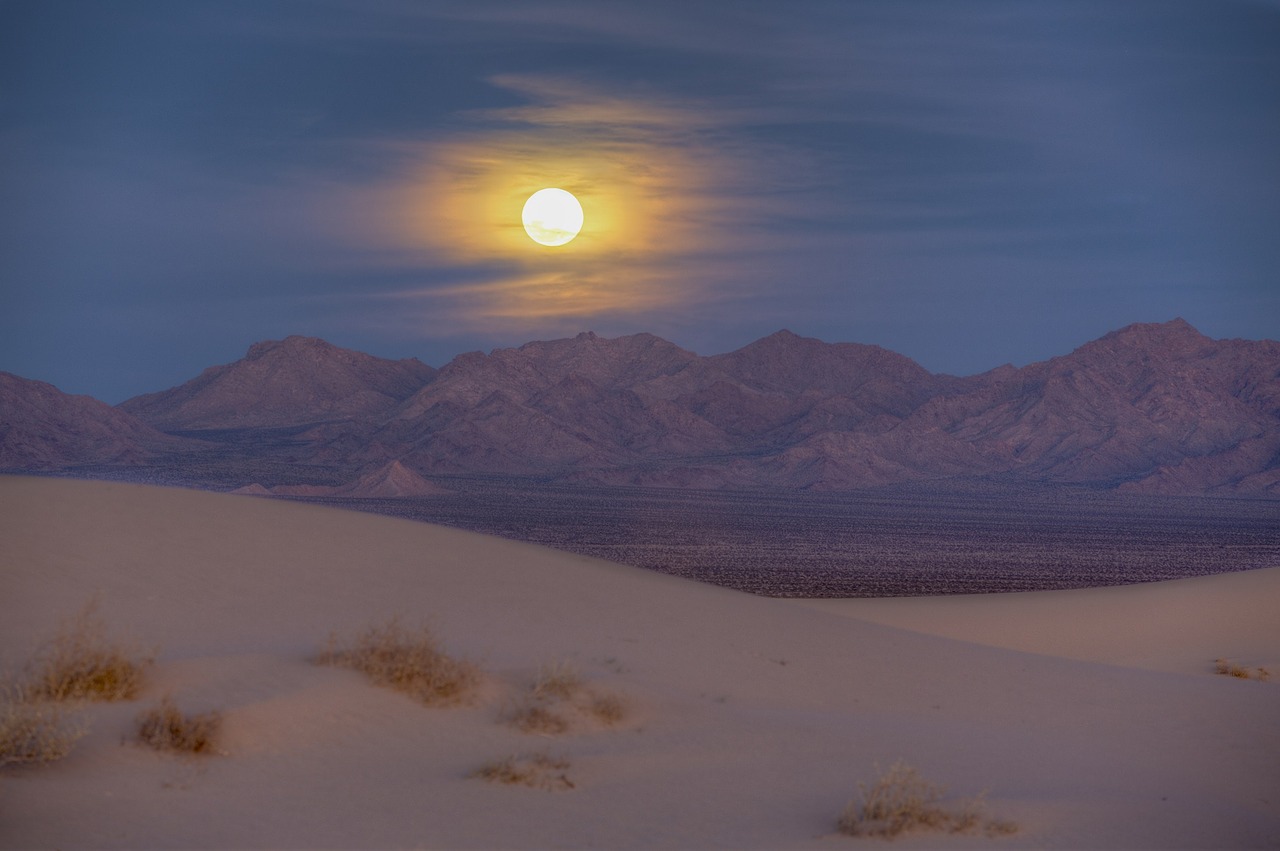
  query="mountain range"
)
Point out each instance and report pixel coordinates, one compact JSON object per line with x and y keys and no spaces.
{"x":1151,"y":407}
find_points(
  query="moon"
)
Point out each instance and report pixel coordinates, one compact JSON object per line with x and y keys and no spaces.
{"x":552,"y":217}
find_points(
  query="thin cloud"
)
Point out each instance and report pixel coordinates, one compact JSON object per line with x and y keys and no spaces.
{"x":666,"y":196}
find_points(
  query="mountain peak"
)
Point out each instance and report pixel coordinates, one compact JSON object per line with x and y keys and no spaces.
{"x":294,"y":381}
{"x":786,"y":336}
{"x":1176,"y":337}
{"x":292,"y":344}
{"x":390,"y":481}
{"x":588,"y":339}
{"x":605,"y":360}
{"x":785,"y":362}
{"x":1177,"y":329}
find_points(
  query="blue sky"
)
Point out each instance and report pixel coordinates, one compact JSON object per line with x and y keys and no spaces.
{"x":967,"y":183}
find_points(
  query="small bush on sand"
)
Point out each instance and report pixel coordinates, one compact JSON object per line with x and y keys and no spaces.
{"x":407,"y":660}
{"x":538,"y":771}
{"x":608,"y":709}
{"x":32,"y":733}
{"x":535,"y":717}
{"x":80,"y":663}
{"x":1229,"y":669}
{"x":556,"y":682}
{"x":557,"y":698}
{"x":165,"y":728}
{"x":902,"y":801}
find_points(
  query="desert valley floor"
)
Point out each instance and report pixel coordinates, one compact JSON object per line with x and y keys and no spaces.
{"x":904,"y":540}
{"x":1090,"y":718}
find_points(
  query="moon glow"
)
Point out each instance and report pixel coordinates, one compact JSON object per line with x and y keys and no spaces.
{"x":552,"y":217}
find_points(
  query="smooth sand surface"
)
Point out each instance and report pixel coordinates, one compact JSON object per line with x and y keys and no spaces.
{"x":1092,"y":719}
{"x":1162,"y":626}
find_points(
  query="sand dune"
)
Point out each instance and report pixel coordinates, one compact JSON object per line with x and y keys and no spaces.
{"x":1092,"y":719}
{"x":1162,"y":626}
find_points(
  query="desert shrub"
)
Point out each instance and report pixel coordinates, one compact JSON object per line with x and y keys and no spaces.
{"x":80,"y":663}
{"x":165,"y":728}
{"x":407,"y":660}
{"x":901,"y":801}
{"x":535,"y":717}
{"x":34,"y":732}
{"x":538,"y":771}
{"x":556,"y":682}
{"x":558,"y":697}
{"x":1230,"y":669}
{"x":608,"y":709}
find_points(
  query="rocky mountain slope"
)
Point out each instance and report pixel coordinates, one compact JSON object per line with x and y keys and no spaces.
{"x":42,"y":428}
{"x":1154,"y":407}
{"x":290,"y":382}
{"x":1131,"y":406}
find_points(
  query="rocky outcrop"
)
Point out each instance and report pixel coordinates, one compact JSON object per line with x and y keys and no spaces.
{"x":390,"y":481}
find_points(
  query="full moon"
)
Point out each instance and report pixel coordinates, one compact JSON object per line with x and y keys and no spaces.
{"x":552,"y":217}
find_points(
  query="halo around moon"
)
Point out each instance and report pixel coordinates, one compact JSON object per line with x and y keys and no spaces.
{"x":552,"y":217}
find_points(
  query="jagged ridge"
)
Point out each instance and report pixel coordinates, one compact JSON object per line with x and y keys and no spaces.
{"x":1156,"y":407}
{"x":294,"y":381}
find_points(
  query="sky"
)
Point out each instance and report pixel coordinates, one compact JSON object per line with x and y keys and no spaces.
{"x":966,"y":183}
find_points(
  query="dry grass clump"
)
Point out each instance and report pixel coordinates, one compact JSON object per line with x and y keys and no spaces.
{"x":608,"y":709}
{"x":538,"y":771}
{"x":1229,"y":669}
{"x":902,"y":801}
{"x":33,"y":733}
{"x":556,"y":682}
{"x":530,"y":716}
{"x":407,"y":660}
{"x":165,"y":728}
{"x":557,"y":697}
{"x":80,"y":663}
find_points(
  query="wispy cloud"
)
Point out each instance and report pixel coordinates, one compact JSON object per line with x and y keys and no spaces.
{"x":665,"y":189}
{"x":877,"y":170}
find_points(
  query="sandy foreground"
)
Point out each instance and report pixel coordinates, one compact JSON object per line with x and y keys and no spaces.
{"x":1092,"y":719}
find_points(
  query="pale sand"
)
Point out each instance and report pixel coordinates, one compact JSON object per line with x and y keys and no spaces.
{"x":751,"y":720}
